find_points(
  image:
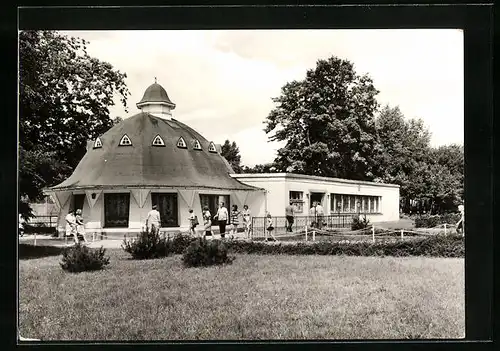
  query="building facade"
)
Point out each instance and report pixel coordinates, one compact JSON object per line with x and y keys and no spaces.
{"x":152,"y":158}
{"x":149,"y":158}
{"x":380,"y":202}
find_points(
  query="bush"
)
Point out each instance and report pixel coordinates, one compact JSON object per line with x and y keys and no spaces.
{"x":359,"y":223}
{"x":80,"y":258}
{"x":203,"y":252}
{"x":435,"y":220}
{"x":148,"y":245}
{"x":180,"y":242}
{"x":433,"y":246}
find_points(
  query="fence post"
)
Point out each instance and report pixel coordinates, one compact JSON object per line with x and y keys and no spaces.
{"x":445,"y":229}
{"x":401,"y":234}
{"x":35,"y":239}
{"x":373,"y":233}
{"x":314,"y":235}
{"x":93,"y":236}
{"x":65,"y":239}
{"x":306,"y":232}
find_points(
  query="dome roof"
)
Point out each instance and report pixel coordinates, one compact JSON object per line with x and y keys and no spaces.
{"x":155,"y":93}
{"x":144,"y":165}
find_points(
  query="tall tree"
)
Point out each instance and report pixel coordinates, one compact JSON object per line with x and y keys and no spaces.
{"x":231,"y":153}
{"x":327,"y":121}
{"x":64,"y":100}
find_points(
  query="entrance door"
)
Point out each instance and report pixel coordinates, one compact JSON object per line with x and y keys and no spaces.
{"x":317,"y":197}
{"x":167,"y":206}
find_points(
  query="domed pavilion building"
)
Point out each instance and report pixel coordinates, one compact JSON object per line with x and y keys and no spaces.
{"x":150,"y":158}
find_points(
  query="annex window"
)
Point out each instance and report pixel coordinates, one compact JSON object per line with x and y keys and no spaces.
{"x":125,"y":141}
{"x":212,"y":147}
{"x":97,"y":143}
{"x":181,"y":143}
{"x":196,"y":145}
{"x":343,"y":203}
{"x":297,"y":199}
{"x":116,"y":210}
{"x":212,"y":201}
{"x":158,"y":141}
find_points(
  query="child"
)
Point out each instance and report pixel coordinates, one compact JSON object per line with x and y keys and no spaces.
{"x":269,"y":228}
{"x":235,"y":220}
{"x":193,"y":222}
{"x":207,"y":221}
{"x":247,"y":220}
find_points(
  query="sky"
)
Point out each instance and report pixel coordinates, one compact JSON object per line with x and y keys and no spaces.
{"x":223,"y":82}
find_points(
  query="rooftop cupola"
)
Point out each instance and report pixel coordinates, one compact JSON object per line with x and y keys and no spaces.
{"x":156,"y":102}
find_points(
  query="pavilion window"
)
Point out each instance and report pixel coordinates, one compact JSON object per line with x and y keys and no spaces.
{"x":181,"y":143}
{"x":116,"y":210}
{"x":158,"y":141}
{"x":196,"y":145}
{"x":212,"y":147}
{"x":168,"y":208}
{"x":212,"y":201}
{"x":125,"y":141}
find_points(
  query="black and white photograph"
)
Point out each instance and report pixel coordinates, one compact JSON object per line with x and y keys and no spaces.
{"x":277,"y":184}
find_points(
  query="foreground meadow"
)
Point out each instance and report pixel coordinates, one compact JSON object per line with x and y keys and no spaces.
{"x":257,"y":297}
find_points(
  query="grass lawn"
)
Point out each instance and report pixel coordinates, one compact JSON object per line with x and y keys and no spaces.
{"x":257,"y":297}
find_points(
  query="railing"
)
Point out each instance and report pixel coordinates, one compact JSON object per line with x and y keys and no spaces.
{"x":300,"y":223}
{"x":49,"y":221}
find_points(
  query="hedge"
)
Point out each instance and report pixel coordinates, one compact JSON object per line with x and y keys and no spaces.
{"x":27,"y":251}
{"x":434,"y":246}
{"x":432,"y":221}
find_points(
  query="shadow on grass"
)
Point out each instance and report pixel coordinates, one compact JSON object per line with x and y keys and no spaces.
{"x":27,"y":251}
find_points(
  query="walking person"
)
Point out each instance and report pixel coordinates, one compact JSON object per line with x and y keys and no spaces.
{"x":193,"y":222}
{"x":247,"y":220}
{"x":71,"y":225}
{"x":313,"y":215}
{"x":80,"y":227}
{"x":21,"y":225}
{"x":319,"y":215}
{"x":153,"y":220}
{"x":461,"y":223}
{"x":289,"y":214}
{"x":235,"y":220}
{"x":222,"y":217}
{"x":269,"y":228}
{"x":207,"y":221}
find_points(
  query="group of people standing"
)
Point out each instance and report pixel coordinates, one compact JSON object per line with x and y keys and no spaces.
{"x":75,"y":226}
{"x":153,"y":220}
{"x":221,"y":217}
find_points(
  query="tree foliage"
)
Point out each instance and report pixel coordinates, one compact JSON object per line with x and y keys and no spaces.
{"x":261,"y":168}
{"x":327,"y":121}
{"x":231,"y":153}
{"x":430,"y":177}
{"x":64,"y":100}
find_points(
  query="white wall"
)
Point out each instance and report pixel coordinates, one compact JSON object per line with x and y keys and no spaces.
{"x":279,"y":186}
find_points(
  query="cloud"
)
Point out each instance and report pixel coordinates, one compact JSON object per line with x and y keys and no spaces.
{"x":222,"y":81}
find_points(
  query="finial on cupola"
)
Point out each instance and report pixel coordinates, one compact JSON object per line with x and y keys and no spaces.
{"x":155,"y":80}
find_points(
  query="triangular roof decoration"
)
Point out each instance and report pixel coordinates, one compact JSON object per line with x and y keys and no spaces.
{"x":212,"y":147}
{"x":181,"y":143}
{"x":97,"y":143}
{"x":125,"y":141}
{"x":158,"y":141}
{"x":196,"y":145}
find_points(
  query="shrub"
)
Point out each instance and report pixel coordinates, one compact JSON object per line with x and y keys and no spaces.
{"x":433,"y":246}
{"x":80,"y":258}
{"x":359,"y":223}
{"x":180,"y":242}
{"x":148,"y":245}
{"x":39,"y":228}
{"x":203,"y":252}
{"x":432,"y":221}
